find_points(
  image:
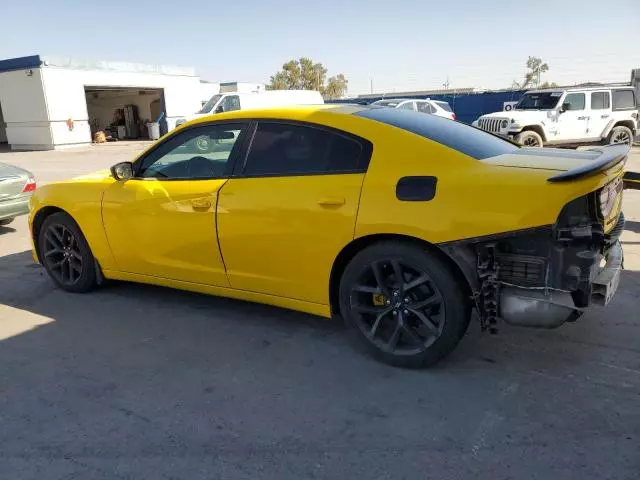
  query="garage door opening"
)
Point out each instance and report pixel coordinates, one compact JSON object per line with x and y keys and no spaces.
{"x":122,"y":113}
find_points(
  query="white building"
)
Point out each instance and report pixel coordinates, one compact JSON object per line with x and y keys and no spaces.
{"x":50,"y":103}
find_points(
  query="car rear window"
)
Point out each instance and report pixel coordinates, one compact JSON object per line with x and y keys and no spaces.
{"x":444,"y":106}
{"x":468,"y":140}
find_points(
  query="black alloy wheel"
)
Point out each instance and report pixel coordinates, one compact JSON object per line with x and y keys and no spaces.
{"x":62,"y":254}
{"x":65,"y":254}
{"x":397,"y":307}
{"x":404,"y":303}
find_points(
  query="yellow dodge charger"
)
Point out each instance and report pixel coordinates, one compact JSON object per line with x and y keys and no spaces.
{"x":400,"y":222}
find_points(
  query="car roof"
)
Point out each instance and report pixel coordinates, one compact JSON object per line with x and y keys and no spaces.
{"x":292,"y":112}
{"x":579,"y":89}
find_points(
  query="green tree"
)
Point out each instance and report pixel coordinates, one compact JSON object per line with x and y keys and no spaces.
{"x":303,"y":74}
{"x":535,"y":67}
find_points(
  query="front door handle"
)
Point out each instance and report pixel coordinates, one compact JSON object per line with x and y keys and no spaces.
{"x":583,"y":118}
{"x":201,"y":203}
{"x":604,"y":116}
{"x":331,"y":201}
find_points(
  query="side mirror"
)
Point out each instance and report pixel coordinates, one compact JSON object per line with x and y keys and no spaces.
{"x":122,"y":171}
{"x":219,"y":109}
{"x":565,"y":107}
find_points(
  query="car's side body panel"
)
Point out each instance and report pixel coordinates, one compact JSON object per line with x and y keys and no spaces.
{"x":280,"y":235}
{"x":81,"y":198}
{"x":321,"y":310}
{"x":165,"y":229}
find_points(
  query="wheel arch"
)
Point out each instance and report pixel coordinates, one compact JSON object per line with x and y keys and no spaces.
{"x":38,"y":219}
{"x":625,"y":123}
{"x":536,"y":128}
{"x":458,"y":259}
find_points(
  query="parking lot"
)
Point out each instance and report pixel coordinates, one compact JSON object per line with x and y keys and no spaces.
{"x":134,"y":381}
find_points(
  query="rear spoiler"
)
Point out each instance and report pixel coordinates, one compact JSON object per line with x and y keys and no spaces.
{"x":610,"y":156}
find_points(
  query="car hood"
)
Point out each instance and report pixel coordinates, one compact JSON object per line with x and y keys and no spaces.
{"x":553,"y":159}
{"x":520,"y":116}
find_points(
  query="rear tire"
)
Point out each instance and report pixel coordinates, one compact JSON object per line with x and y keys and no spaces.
{"x":65,"y":254}
{"x":620,"y":134}
{"x":6,"y":221}
{"x":403,"y":304}
{"x":529,"y":138}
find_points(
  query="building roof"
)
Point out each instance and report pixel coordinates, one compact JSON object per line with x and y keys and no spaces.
{"x":37,"y":61}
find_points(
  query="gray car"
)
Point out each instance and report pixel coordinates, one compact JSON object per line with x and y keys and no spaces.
{"x":16,"y":187}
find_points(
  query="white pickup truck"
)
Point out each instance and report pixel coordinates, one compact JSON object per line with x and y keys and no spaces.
{"x":569,"y":116}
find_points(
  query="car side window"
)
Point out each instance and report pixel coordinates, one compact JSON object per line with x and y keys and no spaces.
{"x":574,"y":101}
{"x":600,"y":100}
{"x":280,"y":149}
{"x":231,"y":103}
{"x":407,"y":106}
{"x":424,"y":107}
{"x":624,"y":100}
{"x":196,"y":153}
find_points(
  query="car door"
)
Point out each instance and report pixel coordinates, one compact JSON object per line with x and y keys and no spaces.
{"x":291,"y":208}
{"x":573,"y":118}
{"x":600,"y":114}
{"x":162,"y":222}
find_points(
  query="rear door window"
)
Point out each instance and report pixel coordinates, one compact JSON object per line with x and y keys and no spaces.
{"x":282,"y":149}
{"x":600,"y":101}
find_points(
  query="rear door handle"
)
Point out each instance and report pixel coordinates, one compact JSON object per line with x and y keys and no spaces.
{"x":331,"y":201}
{"x":201,"y":203}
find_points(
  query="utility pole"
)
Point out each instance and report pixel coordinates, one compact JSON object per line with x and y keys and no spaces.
{"x":371,"y":85}
{"x":446,"y":84}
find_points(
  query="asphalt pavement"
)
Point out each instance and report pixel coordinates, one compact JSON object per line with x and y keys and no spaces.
{"x":141,"y":382}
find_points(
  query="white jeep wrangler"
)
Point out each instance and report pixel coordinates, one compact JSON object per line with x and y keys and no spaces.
{"x":569,"y":116}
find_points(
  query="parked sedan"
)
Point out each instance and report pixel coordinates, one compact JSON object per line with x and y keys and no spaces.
{"x":433,"y":107}
{"x":16,"y":187}
{"x":400,"y":222}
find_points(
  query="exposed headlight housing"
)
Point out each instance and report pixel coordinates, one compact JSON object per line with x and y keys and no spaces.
{"x":504,"y":124}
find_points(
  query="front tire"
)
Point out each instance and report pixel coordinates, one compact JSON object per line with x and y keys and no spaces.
{"x":65,"y":254}
{"x":529,"y":138}
{"x":404,"y":304}
{"x":620,"y":134}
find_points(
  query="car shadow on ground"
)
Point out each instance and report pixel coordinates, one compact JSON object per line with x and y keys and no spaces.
{"x":131,"y":379}
{"x":6,"y":229}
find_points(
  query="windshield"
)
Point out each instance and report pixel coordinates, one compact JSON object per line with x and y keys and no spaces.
{"x":444,"y":106}
{"x":387,"y":103}
{"x":207,"y":107}
{"x":539,"y":101}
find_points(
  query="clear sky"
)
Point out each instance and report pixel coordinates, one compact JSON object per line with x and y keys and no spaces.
{"x":397,"y":45}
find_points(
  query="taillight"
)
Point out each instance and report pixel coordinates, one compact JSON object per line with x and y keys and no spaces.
{"x":30,"y":186}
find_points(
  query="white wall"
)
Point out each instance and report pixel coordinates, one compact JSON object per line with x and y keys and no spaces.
{"x":3,"y":128}
{"x":66,"y":97}
{"x":24,"y":110}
